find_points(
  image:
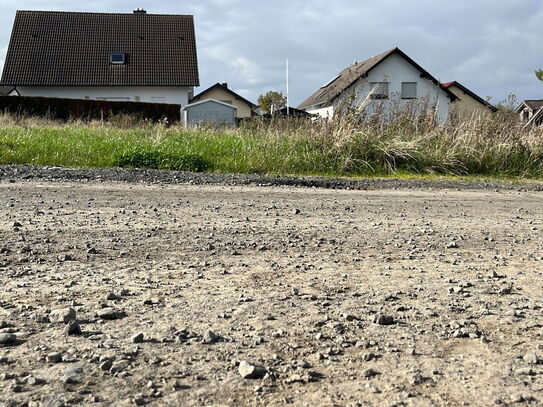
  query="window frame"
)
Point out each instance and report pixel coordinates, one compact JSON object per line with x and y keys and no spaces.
{"x":379,"y":96}
{"x":409,"y":97}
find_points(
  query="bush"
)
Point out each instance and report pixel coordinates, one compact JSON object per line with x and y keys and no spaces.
{"x":82,"y":109}
{"x":161,"y":160}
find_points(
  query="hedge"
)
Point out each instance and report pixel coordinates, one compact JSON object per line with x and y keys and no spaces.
{"x":83,"y":109}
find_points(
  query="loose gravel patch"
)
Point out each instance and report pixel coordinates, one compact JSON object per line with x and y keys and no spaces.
{"x":144,"y":292}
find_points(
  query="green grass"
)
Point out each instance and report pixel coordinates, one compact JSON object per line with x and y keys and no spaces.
{"x":491,"y":147}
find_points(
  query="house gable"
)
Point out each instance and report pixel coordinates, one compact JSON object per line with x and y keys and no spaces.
{"x":469,"y":100}
{"x":221,"y":92}
{"x":326,"y":95}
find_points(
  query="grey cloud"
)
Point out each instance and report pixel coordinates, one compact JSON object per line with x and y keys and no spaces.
{"x":492,"y":47}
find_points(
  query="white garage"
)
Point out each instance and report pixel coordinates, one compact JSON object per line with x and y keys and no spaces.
{"x":209,"y":111}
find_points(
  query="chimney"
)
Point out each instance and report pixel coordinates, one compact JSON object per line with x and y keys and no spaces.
{"x":224,"y":85}
{"x":139,"y":11}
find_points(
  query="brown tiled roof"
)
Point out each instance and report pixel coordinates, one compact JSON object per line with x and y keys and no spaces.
{"x":534,"y":104}
{"x":51,"y":48}
{"x":326,"y":94}
{"x":4,"y":90}
{"x":224,"y":87}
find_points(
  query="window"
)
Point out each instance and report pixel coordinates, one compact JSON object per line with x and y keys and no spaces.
{"x":409,"y":90}
{"x":118,"y":58}
{"x":379,"y":90}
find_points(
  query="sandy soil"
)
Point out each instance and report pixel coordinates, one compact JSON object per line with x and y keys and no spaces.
{"x":334,"y":298}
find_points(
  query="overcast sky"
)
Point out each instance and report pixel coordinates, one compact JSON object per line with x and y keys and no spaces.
{"x":490,"y":46}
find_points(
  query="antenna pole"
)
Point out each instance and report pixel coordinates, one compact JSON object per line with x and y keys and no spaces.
{"x":288,"y":108}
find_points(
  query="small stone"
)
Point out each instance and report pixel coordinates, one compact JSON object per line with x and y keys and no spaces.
{"x":210,"y":337}
{"x":72,"y":328}
{"x":118,"y":366}
{"x":248,"y":370}
{"x":297,"y":211}
{"x":33,"y":380}
{"x":112,"y":296}
{"x":8,"y":339}
{"x":54,"y":357}
{"x":137,"y":338}
{"x":383,"y":319}
{"x":452,"y":245}
{"x":139,"y":401}
{"x":110,"y":314}
{"x":63,"y":315}
{"x":106,"y":365}
{"x":304,"y":364}
{"x":72,"y":375}
{"x":368,"y":356}
{"x":531,"y":358}
{"x":369,"y":373}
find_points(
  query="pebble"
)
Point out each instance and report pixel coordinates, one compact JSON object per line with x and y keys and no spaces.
{"x":7,"y":339}
{"x":383,"y":319}
{"x":248,"y":370}
{"x":210,"y":337}
{"x":73,"y":328}
{"x":369,"y":373}
{"x":54,"y":357}
{"x":106,"y":365}
{"x":72,"y":375}
{"x":531,"y":358}
{"x":118,"y":366}
{"x":137,"y":338}
{"x":110,"y":314}
{"x":63,"y":315}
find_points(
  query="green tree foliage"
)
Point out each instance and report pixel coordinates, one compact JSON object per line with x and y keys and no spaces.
{"x":539,"y":74}
{"x":272,"y":98}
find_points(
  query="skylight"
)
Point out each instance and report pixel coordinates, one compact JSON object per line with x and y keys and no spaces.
{"x":118,"y":58}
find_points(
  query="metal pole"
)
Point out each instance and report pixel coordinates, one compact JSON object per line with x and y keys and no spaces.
{"x":288,"y":108}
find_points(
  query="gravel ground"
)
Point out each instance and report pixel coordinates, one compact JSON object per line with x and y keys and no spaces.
{"x":144,"y":292}
{"x":20,"y":172}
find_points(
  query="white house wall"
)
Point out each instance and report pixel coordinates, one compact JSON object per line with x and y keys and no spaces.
{"x":154,"y":94}
{"x":396,"y":70}
{"x":325,"y":112}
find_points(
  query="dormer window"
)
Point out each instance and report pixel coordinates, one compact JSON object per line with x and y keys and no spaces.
{"x":118,"y":58}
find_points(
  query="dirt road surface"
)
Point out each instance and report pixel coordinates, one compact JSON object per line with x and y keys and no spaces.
{"x":119,"y":294}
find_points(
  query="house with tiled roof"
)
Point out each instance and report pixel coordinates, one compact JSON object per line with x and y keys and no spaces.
{"x":468,"y":102}
{"x":383,"y":85}
{"x":531,"y":112}
{"x":221,"y":92}
{"x":108,"y":56}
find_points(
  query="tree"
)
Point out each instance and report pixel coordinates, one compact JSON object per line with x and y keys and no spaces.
{"x":272,"y":98}
{"x":539,"y":74}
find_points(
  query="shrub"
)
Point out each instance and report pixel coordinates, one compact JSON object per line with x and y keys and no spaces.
{"x":159,"y":160}
{"x":82,"y":109}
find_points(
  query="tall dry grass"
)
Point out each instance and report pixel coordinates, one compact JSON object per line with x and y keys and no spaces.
{"x":350,"y":145}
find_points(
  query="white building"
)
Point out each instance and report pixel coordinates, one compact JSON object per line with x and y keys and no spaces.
{"x":383,"y":85}
{"x":135,"y":56}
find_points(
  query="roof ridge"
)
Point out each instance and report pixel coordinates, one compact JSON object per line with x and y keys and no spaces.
{"x":102,"y":13}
